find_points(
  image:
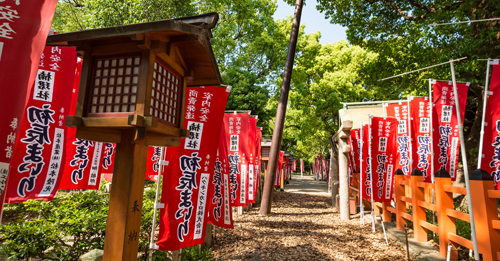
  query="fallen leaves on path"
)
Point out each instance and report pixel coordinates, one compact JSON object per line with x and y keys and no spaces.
{"x":301,"y":227}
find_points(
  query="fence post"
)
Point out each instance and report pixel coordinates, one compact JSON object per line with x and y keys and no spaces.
{"x":386,"y":214}
{"x":444,"y":200}
{"x":400,"y":205}
{"x":485,"y":210}
{"x":418,"y":213}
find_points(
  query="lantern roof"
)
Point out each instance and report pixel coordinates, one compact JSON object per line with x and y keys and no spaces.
{"x":190,"y":35}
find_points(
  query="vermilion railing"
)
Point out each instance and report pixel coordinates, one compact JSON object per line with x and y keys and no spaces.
{"x":484,"y":208}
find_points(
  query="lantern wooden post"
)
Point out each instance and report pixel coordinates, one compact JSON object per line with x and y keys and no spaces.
{"x":125,"y":203}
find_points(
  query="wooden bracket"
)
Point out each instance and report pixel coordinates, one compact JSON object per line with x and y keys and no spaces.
{"x":153,"y":139}
{"x":137,"y":37}
{"x":144,"y":43}
{"x":73,"y":121}
{"x":150,"y":121}
{"x":158,"y":46}
{"x":136,"y":120}
{"x":82,"y":48}
{"x":100,"y":135}
{"x":185,"y":133}
{"x":139,"y":135}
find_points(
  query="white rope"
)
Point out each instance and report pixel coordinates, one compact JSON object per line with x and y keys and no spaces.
{"x":425,"y":68}
{"x":466,"y":22}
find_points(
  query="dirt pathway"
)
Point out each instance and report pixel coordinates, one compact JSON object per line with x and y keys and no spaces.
{"x":303,"y":226}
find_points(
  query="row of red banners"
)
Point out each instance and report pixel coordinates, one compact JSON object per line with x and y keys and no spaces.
{"x":47,"y":156}
{"x":206,"y":181}
{"x":404,"y":141}
{"x":321,"y":168}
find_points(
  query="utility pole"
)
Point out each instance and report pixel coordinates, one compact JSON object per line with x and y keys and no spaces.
{"x":267,"y":195}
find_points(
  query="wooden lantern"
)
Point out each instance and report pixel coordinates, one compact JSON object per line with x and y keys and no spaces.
{"x":132,"y":93}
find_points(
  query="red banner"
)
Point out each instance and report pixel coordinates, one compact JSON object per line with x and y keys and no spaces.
{"x":36,"y":166}
{"x":301,"y":166}
{"x":185,"y":188}
{"x":446,"y":137}
{"x":279,"y":168}
{"x":400,"y":112}
{"x":383,"y":148}
{"x":294,"y":165}
{"x":154,"y":162}
{"x":236,"y":126}
{"x":366,"y":164}
{"x":252,"y":153}
{"x":23,"y":33}
{"x":220,"y":207}
{"x":83,"y":163}
{"x":287,"y":170}
{"x":259,"y":156}
{"x":323,"y":171}
{"x":491,"y":147}
{"x":108,"y":161}
{"x":420,"y":116}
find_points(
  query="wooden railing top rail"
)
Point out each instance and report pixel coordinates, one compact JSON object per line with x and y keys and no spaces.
{"x":453,"y":189}
{"x":426,"y":185}
{"x":496,"y":224}
{"x":494,"y":193}
{"x":429,"y":226}
{"x":427,"y":205}
{"x":391,"y":209}
{"x":407,"y":216}
{"x":405,"y":199}
{"x":355,"y":189}
{"x":460,"y":240}
{"x":458,"y":214}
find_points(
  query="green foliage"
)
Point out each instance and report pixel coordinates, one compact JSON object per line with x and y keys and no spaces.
{"x":68,"y":226}
{"x":193,"y":254}
{"x":324,"y":76}
{"x":74,"y":15}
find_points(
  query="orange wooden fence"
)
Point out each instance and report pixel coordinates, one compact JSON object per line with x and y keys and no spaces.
{"x":484,"y":208}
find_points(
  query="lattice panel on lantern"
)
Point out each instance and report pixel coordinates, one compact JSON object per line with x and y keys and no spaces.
{"x":114,"y":85}
{"x":165,"y":94}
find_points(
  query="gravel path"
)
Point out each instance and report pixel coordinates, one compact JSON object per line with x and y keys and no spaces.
{"x":303,"y":226}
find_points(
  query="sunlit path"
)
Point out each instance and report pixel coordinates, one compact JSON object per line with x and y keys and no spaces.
{"x":303,"y":226}
{"x":307,"y":185}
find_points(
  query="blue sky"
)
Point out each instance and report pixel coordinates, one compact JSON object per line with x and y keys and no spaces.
{"x":314,"y":21}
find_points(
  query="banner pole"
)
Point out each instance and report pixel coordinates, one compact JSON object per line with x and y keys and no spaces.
{"x":431,"y":105}
{"x":409,"y":134}
{"x":301,"y":169}
{"x":361,"y":206}
{"x":151,"y":241}
{"x":464,"y":162}
{"x":371,"y":168}
{"x":485,"y":101}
